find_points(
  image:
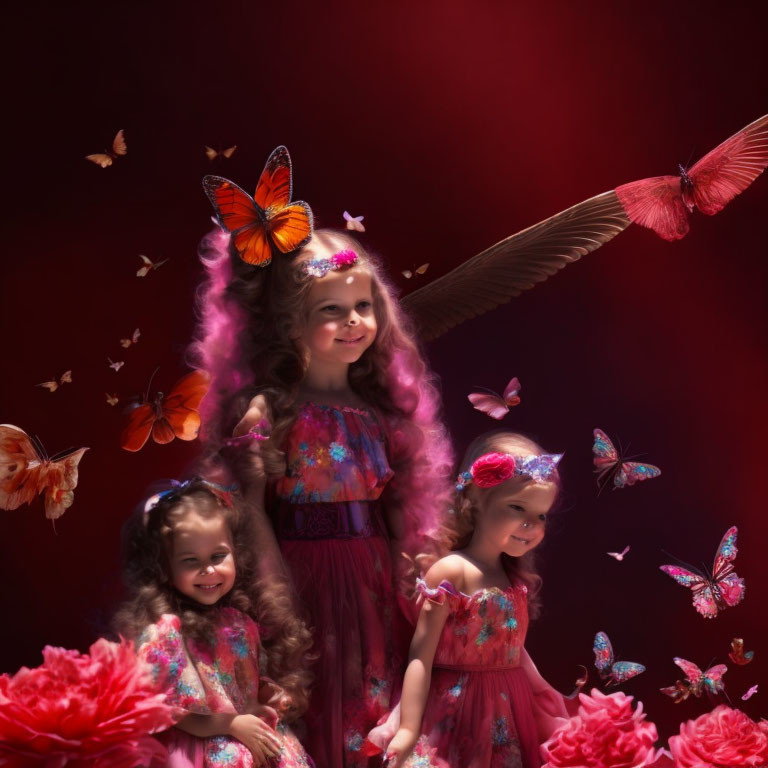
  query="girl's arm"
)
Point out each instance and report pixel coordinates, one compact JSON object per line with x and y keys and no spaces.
{"x":418,"y":674}
{"x":548,"y":704}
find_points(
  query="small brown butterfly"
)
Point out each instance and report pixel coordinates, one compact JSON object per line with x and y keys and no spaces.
{"x":149,"y":265}
{"x":112,"y":399}
{"x":125,"y":343}
{"x":409,"y":273}
{"x":212,"y":154}
{"x":119,"y":148}
{"x":53,"y":385}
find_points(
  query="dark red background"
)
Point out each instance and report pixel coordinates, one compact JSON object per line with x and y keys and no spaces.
{"x":449,"y":126}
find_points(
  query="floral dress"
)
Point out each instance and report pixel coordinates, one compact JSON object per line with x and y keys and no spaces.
{"x":220,"y":674}
{"x":480,"y":708}
{"x":329,"y":522}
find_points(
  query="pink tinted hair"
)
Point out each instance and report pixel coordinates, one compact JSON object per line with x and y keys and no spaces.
{"x":392,"y":375}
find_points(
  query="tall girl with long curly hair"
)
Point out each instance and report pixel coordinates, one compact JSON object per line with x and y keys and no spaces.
{"x":357,"y":462}
{"x":194,"y":602}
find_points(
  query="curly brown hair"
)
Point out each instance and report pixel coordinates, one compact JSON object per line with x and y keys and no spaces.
{"x":458,"y":524}
{"x":146,"y":544}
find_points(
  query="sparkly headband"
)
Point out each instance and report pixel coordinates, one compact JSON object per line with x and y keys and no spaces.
{"x":177,"y":489}
{"x":494,"y":468}
{"x":321,"y":267}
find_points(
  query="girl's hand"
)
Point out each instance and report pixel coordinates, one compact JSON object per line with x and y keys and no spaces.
{"x":246,"y":449}
{"x":400,"y":747}
{"x":261,"y":740}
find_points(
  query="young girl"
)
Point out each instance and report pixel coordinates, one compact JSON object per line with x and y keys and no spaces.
{"x":471,"y":695}
{"x":357,"y":461}
{"x":189,"y":567}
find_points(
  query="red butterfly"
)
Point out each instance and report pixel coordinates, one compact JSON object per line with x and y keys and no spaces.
{"x":610,"y":465}
{"x":494,"y":405}
{"x":167,"y":417}
{"x":25,"y":472}
{"x":721,"y":590}
{"x":663,"y":203}
{"x":738,"y":655}
{"x":266,"y":220}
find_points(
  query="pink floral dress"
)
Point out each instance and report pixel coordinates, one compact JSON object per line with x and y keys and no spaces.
{"x":480,"y":709}
{"x":220,"y":674}
{"x":329,"y":522}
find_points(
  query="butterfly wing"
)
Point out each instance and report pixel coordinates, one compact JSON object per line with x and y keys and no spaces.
{"x":229,"y":151}
{"x":511,"y":392}
{"x":210,"y":153}
{"x":19,"y":467}
{"x":291,"y":226}
{"x":622,"y":671}
{"x":100,"y":159}
{"x":703,"y":598}
{"x":492,"y":405}
{"x":603,"y":450}
{"x":51,"y":386}
{"x":730,"y":168}
{"x":119,"y":147}
{"x":726,"y":551}
{"x":631,"y":472}
{"x":139,"y":427}
{"x":728,"y":587}
{"x":738,"y":655}
{"x":656,"y":203}
{"x":713,"y":678}
{"x":66,"y":377}
{"x":680,"y":691}
{"x":603,"y":651}
{"x":691,"y":670}
{"x":180,"y":407}
{"x":59,"y":481}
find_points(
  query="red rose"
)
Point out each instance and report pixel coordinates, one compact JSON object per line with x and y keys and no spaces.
{"x":721,"y":737}
{"x":606,"y":733}
{"x":492,"y":469}
{"x":82,"y":710}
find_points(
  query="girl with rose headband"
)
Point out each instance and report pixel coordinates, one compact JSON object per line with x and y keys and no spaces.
{"x":471,"y":695}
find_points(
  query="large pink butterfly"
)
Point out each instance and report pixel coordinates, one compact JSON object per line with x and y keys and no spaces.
{"x":610,"y":465}
{"x":697,"y":682}
{"x":663,"y":203}
{"x":723,"y":589}
{"x":494,"y":405}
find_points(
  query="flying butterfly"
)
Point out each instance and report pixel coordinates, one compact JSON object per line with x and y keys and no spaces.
{"x":115,"y":366}
{"x":53,"y":384}
{"x":663,"y":203}
{"x":615,"y":672}
{"x":112,"y":399}
{"x":494,"y":405}
{"x":149,"y":265}
{"x":619,"y":555}
{"x":125,"y":343}
{"x":212,"y":154}
{"x":25,"y":472}
{"x":718,"y":591}
{"x":119,"y":148}
{"x":167,"y":416}
{"x":267,"y":221}
{"x":697,"y":682}
{"x":749,"y":693}
{"x":354,"y":223}
{"x":611,"y":467}
{"x":738,"y":655}
{"x":409,"y":273}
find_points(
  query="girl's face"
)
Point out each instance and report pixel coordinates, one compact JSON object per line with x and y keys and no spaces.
{"x":512,"y":516}
{"x":202,"y":557}
{"x":340,"y":322}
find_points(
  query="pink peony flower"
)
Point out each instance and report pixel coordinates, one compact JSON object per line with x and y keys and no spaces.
{"x":722,"y":737}
{"x":492,"y":469}
{"x":82,"y":710}
{"x":606,"y":733}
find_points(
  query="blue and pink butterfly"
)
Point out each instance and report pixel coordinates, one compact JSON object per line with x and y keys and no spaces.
{"x":612,"y":468}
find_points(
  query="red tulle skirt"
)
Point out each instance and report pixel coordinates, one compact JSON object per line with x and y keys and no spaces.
{"x":361,"y":641}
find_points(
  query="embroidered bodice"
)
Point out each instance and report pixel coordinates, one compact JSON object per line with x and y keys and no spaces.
{"x":483,"y":630}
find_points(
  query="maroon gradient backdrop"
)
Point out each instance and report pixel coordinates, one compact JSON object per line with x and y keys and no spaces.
{"x":449,"y":126}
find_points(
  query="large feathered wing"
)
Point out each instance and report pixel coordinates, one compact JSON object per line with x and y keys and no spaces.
{"x":515,"y":264}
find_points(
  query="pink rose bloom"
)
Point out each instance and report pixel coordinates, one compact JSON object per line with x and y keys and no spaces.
{"x":82,"y":710}
{"x":492,"y":469}
{"x":723,"y":736}
{"x":606,"y":733}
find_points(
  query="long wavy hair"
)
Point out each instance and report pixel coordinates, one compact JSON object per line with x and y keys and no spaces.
{"x":146,"y":546}
{"x":248,"y":340}
{"x":458,"y":524}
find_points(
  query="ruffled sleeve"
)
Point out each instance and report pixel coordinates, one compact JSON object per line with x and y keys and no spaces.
{"x":161,"y":645}
{"x":442,"y":592}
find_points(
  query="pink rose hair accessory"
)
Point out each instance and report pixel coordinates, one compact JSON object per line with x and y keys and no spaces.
{"x":494,"y":468}
{"x":341,"y":260}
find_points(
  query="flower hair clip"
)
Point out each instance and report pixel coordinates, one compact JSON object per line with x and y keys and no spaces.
{"x":341,"y":260}
{"x":494,"y":468}
{"x":176,"y":491}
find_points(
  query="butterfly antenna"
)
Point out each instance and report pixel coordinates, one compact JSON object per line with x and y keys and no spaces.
{"x":682,"y":562}
{"x":61,"y":454}
{"x":40,"y":448}
{"x":149,"y":386}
